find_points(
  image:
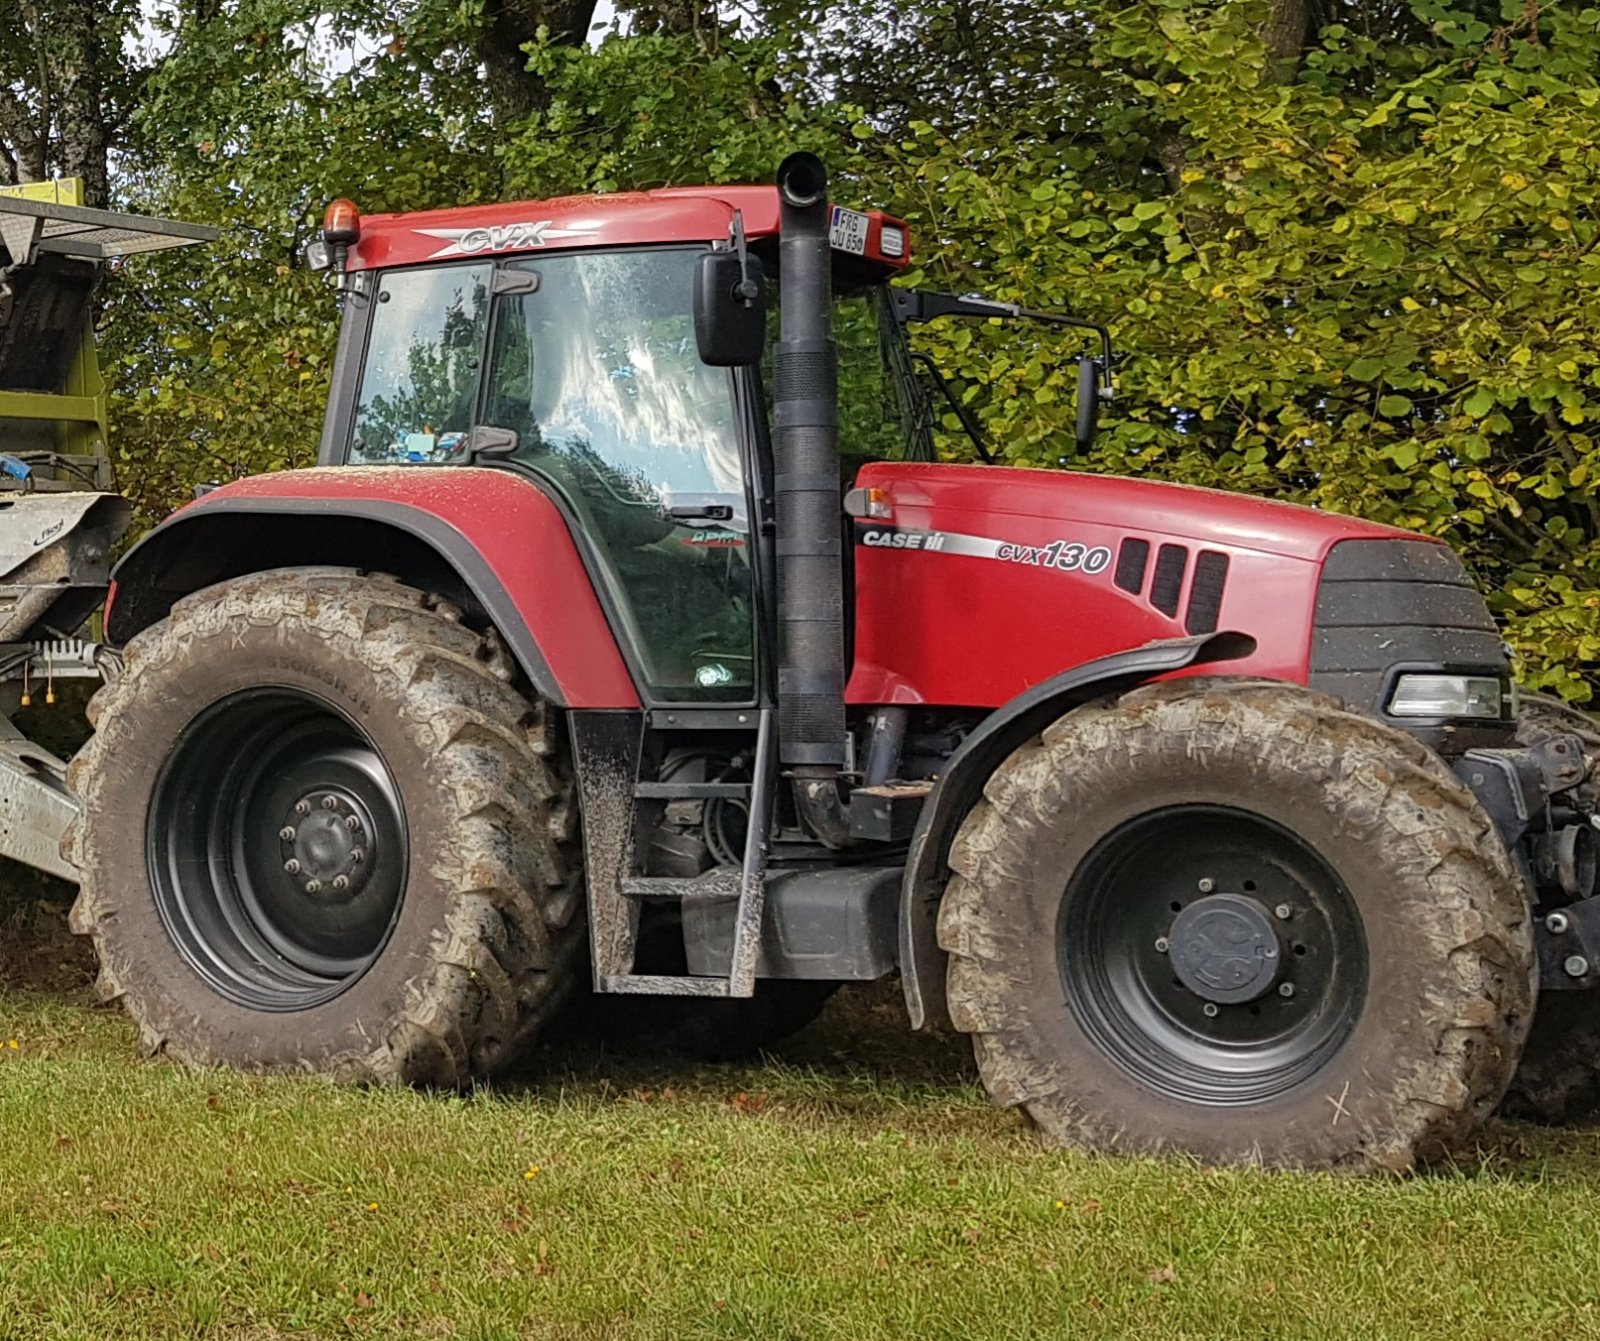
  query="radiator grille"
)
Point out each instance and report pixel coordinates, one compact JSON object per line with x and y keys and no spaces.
{"x":1167,"y":585}
{"x":1132,"y":559}
{"x":1205,"y":592}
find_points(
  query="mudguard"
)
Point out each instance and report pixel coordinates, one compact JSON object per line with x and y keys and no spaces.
{"x":961,"y":786}
{"x":486,"y":537}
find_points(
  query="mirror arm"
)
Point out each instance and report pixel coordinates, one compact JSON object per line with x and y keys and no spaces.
{"x":971,"y":425}
{"x":747,"y":289}
{"x":1103,"y":362}
{"x":910,"y":305}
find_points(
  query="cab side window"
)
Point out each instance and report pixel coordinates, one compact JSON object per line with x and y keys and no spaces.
{"x":424,"y":352}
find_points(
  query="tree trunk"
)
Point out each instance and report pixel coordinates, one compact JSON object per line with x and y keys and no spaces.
{"x":53,"y":109}
{"x":509,"y":26}
{"x":1285,"y":32}
{"x":75,"y":60}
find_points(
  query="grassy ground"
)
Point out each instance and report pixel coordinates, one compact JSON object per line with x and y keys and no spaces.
{"x":860,"y":1187}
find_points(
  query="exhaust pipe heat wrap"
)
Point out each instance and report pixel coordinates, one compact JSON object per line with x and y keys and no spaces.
{"x":811,"y":671}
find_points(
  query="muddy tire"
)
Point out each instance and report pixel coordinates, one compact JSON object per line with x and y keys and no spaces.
{"x":323,"y":831}
{"x":1559,"y":1077}
{"x":1142,"y":883}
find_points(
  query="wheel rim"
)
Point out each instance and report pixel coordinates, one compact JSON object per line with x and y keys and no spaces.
{"x":1212,"y":954}
{"x":277,"y":849}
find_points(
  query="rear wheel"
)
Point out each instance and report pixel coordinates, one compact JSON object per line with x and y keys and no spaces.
{"x":321,"y":831}
{"x":1230,"y":918}
{"x":1559,"y":1078}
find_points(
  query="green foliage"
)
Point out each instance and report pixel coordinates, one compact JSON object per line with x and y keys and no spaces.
{"x":222,"y":356}
{"x":1374,"y":288}
{"x":1367,"y":279}
{"x":649,"y":111}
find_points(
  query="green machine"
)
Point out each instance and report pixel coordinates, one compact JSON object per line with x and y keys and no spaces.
{"x":59,"y":520}
{"x":52,"y":396}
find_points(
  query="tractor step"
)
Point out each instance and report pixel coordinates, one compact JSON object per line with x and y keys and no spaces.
{"x":692,"y":791}
{"x":645,"y":984}
{"x":723,"y":883}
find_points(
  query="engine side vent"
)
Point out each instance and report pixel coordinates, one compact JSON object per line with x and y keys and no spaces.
{"x":1205,"y":592}
{"x":1132,"y":559}
{"x":1167,"y":585}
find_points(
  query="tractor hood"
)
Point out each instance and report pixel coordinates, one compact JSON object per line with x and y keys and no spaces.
{"x":1206,"y":516}
{"x":974,"y":583}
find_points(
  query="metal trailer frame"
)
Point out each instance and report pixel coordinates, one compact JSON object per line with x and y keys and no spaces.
{"x":57,"y":537}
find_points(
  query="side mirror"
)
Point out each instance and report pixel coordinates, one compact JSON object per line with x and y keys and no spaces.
{"x":730,"y":309}
{"x":1088,"y":402}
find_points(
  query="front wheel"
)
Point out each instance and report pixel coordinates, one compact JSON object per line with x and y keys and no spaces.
{"x":1230,"y":918}
{"x":321,"y":831}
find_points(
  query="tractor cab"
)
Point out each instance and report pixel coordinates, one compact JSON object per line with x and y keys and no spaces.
{"x":620,"y":350}
{"x":564,"y":347}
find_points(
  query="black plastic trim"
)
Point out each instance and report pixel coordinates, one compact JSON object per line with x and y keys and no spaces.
{"x":1387,"y":607}
{"x":965,"y":772}
{"x":141,"y":602}
{"x":1205,"y":592}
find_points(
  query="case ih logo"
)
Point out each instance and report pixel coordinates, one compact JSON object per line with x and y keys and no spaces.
{"x":500,"y":237}
{"x":1067,"y":556}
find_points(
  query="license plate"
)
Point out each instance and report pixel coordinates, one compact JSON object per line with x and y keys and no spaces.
{"x":849,"y":231}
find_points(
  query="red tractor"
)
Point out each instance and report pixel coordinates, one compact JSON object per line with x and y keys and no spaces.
{"x":611,"y":638}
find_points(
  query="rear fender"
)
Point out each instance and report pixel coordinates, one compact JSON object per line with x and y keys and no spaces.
{"x":488,"y":540}
{"x":961,"y":785}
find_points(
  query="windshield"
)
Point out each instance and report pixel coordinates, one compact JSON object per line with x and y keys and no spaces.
{"x":594,"y":366}
{"x":596,"y":370}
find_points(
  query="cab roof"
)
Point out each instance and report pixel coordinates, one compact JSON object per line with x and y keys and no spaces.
{"x":679,"y":214}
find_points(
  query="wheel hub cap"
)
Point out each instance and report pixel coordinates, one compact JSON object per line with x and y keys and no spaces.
{"x":1225,"y":949}
{"x":328,"y":842}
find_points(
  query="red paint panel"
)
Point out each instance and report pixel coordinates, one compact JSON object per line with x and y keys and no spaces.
{"x":628,"y":219}
{"x":518,"y":533}
{"x":949,"y":628}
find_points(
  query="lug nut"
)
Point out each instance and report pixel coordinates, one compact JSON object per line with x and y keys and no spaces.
{"x":1282,"y":911}
{"x":1556,"y":923}
{"x":292,"y":866}
{"x":1576,"y":966}
{"x":352,"y":823}
{"x":341,"y":882}
{"x":286,"y":833}
{"x":330,"y":802}
{"x":1285,"y":989}
{"x":357,"y":856}
{"x":1161,"y":945}
{"x":302,"y":807}
{"x":1207,"y":885}
{"x":1209,"y":1010}
{"x":313,"y":886}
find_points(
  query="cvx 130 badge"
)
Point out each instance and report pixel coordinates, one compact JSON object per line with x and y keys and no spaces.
{"x":1066,"y":556}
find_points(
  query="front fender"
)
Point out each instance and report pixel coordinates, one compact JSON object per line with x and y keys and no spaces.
{"x":967,"y":770}
{"x":485,"y":538}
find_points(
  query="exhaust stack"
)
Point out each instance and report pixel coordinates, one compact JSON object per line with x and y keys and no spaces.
{"x":811,"y":672}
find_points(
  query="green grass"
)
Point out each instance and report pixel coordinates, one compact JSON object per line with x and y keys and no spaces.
{"x":805,"y":1199}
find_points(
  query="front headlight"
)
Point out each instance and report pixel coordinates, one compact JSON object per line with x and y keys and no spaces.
{"x":1447,"y":696}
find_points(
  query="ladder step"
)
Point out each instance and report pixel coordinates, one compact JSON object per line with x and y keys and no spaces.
{"x":722,"y":883}
{"x":662,"y":985}
{"x":692,"y":791}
